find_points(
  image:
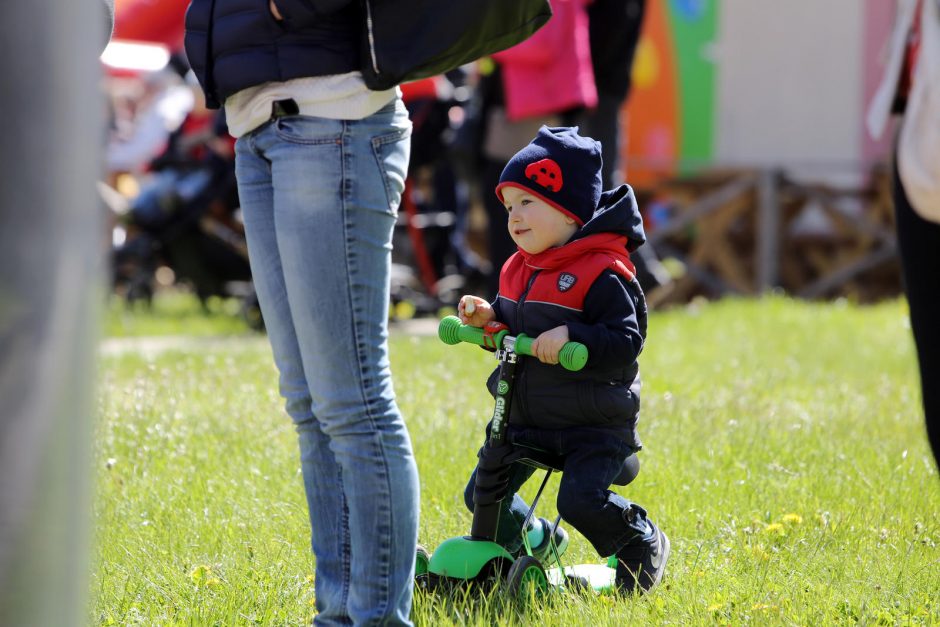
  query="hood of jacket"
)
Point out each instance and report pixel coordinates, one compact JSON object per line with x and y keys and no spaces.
{"x":617,"y":213}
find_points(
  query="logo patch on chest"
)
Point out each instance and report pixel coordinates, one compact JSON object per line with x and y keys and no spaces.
{"x":565,"y":281}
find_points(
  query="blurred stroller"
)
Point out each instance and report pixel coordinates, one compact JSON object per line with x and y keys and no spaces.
{"x":431,"y":261}
{"x":186,"y":219}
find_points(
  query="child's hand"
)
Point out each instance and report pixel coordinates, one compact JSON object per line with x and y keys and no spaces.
{"x":547,"y":345}
{"x":475,"y":311}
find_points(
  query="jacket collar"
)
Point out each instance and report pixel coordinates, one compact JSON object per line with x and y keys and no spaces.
{"x":608,"y":243}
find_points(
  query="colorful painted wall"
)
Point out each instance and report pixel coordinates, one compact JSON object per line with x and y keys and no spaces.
{"x":742,"y":83}
{"x":670,"y":115}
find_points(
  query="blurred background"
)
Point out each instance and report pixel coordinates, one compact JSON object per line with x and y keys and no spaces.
{"x":739,"y":123}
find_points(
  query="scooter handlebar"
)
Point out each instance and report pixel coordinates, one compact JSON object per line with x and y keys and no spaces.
{"x":573,"y":355}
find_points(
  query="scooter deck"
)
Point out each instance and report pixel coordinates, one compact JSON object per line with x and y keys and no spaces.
{"x":598,"y":577}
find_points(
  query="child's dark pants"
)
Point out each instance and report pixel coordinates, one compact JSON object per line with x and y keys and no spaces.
{"x":593,"y":459}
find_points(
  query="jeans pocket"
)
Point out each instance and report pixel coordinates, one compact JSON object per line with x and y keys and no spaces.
{"x":308,"y":131}
{"x":391,"y":154}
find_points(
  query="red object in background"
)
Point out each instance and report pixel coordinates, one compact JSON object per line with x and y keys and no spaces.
{"x":151,"y":21}
{"x":420,"y":89}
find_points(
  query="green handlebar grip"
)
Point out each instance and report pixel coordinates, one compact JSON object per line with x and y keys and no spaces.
{"x":451,"y":331}
{"x":573,"y":355}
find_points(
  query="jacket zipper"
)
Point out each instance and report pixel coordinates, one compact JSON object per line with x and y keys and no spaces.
{"x":519,"y":323}
{"x":375,"y":62}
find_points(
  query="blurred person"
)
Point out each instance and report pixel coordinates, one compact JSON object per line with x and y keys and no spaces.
{"x":321,"y":162}
{"x":438,"y":244}
{"x":615,"y":28}
{"x":910,"y":87}
{"x":571,"y":279}
{"x":195,"y":165}
{"x":547,"y":79}
{"x":145,"y":124}
{"x":50,"y":267}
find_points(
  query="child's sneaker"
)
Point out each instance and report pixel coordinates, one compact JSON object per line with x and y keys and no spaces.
{"x":641,"y":563}
{"x":543,"y":550}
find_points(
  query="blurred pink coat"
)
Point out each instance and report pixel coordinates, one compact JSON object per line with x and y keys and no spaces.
{"x":551,"y":71}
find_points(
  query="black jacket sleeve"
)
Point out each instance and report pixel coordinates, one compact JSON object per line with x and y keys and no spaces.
{"x":611,"y":328}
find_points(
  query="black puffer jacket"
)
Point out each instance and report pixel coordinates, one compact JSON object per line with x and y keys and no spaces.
{"x":235,"y":44}
{"x":587,"y":285}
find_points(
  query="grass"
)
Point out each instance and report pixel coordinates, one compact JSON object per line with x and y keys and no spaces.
{"x":785,"y":457}
{"x":173,"y":312}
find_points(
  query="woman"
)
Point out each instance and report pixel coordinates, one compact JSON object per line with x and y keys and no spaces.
{"x":321,"y":163}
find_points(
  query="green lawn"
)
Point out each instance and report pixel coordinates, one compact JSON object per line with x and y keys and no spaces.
{"x":173,"y":313}
{"x":785,"y":457}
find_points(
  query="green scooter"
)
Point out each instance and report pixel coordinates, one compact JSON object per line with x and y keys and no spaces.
{"x":477,"y":558}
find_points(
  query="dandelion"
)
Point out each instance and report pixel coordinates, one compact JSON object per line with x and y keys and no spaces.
{"x":775,"y":529}
{"x":759,"y":553}
{"x":714,"y":607}
{"x":213,"y":583}
{"x":199,"y":573}
{"x":792,"y":519}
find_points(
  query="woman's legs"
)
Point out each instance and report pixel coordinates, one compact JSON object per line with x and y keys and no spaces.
{"x":319,"y":199}
{"x":919,"y":244}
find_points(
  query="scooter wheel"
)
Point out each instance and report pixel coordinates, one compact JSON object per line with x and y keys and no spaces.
{"x":422,"y":562}
{"x":527,"y":578}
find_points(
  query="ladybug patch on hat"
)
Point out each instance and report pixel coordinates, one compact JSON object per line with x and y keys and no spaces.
{"x":546,"y":173}
{"x":565,"y":281}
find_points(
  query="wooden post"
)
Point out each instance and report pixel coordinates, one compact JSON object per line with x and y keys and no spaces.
{"x":768,"y":236}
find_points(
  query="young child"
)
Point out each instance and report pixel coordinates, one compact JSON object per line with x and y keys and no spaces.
{"x":572,"y":280}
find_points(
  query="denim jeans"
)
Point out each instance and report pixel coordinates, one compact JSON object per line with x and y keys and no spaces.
{"x":319,"y":199}
{"x":593,"y":459}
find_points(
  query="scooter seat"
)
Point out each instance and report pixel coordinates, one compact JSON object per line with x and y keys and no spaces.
{"x":545,"y":460}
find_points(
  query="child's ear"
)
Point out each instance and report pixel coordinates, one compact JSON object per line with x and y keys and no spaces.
{"x":568,"y":219}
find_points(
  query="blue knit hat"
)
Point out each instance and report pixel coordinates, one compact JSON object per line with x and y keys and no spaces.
{"x":560,"y":167}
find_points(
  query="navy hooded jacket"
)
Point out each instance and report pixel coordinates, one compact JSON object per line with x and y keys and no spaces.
{"x":588,"y":285}
{"x":235,"y":44}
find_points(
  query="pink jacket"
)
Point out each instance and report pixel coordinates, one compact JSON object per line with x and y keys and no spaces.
{"x":551,"y":71}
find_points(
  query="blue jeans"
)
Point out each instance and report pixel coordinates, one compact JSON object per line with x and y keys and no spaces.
{"x":319,"y":199}
{"x":593,"y":458}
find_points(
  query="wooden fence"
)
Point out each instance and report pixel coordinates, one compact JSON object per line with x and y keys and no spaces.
{"x":749,"y":231}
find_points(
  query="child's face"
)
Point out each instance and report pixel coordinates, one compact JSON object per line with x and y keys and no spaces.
{"x":535,"y":225}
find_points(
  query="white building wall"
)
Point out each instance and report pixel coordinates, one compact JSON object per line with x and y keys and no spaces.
{"x":789,"y":83}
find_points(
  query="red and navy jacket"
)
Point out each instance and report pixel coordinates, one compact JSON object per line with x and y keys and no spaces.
{"x":589,"y":285}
